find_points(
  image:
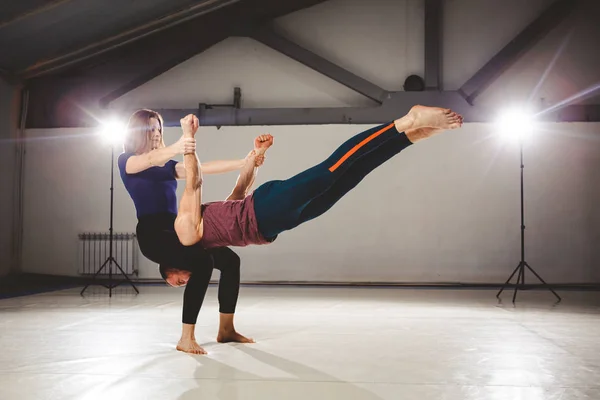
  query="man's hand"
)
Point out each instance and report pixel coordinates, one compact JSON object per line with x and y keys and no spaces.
{"x":262,"y":143}
{"x":189,"y":124}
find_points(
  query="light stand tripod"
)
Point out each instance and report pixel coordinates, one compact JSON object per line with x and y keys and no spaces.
{"x":523,"y":264}
{"x":111,"y":260}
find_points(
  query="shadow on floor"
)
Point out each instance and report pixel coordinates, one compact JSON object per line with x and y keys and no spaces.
{"x":276,"y":388}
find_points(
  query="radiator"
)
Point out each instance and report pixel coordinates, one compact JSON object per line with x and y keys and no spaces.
{"x":94,"y":250}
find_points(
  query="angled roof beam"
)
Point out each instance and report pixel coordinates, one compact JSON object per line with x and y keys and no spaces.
{"x":75,"y":57}
{"x":169,"y":58}
{"x":48,"y":6}
{"x":196,"y":37}
{"x":68,"y":98}
{"x":513,"y":51}
{"x":270,"y":38}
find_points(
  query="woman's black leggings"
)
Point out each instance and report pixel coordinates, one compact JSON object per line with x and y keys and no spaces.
{"x":284,"y":204}
{"x":226,"y":261}
{"x":159,"y":243}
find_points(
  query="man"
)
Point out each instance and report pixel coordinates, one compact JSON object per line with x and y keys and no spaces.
{"x":278,"y":206}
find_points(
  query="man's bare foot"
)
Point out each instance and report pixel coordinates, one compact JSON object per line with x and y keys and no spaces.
{"x":262,"y":144}
{"x":190,"y":346}
{"x":232,"y":337}
{"x":434,"y":117}
{"x":414,"y":135}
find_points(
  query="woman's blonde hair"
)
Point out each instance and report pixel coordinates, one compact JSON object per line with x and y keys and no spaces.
{"x":139,"y":131}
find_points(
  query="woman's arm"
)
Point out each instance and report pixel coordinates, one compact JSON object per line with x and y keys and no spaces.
{"x":212,"y":167}
{"x":159,"y":157}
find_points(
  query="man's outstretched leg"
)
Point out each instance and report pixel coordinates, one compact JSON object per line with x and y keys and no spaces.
{"x":360,"y":169}
{"x":279,"y":204}
{"x":188,"y":223}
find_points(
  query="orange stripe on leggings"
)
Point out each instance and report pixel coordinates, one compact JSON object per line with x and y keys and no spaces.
{"x":358,"y":146}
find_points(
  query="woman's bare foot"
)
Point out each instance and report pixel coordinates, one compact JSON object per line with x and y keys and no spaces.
{"x":434,"y":117}
{"x":232,"y":337}
{"x":414,"y":135}
{"x":190,"y":346}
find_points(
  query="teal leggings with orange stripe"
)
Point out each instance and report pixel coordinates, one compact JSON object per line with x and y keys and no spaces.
{"x":281,"y":205}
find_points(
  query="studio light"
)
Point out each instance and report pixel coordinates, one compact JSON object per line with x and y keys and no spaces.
{"x":112,"y":132}
{"x":518,"y":124}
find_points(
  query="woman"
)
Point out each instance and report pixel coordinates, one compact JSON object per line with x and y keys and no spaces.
{"x":152,"y":186}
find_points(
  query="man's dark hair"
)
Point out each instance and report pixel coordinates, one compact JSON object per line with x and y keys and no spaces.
{"x":164,"y":270}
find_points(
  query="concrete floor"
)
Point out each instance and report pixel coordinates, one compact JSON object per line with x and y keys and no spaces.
{"x":312,"y":343}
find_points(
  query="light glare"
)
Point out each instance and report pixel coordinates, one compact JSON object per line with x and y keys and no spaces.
{"x":515,"y":123}
{"x":113,"y":131}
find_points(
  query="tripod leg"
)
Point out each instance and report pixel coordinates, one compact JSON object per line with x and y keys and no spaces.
{"x":544,"y":282}
{"x":508,"y":280}
{"x":125,"y":275}
{"x":520,"y":280}
{"x":110,"y":284}
{"x":95,"y":275}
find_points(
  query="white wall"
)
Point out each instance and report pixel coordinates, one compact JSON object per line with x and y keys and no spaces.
{"x":7,"y":154}
{"x":445,"y":210}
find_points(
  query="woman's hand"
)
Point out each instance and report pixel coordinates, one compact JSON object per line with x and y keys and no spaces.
{"x":185,"y":145}
{"x":256,"y":159}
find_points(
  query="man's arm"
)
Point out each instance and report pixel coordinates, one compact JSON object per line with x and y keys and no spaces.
{"x":253,"y":160}
{"x":188,"y":224}
{"x":212,"y":167}
{"x":246,"y":177}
